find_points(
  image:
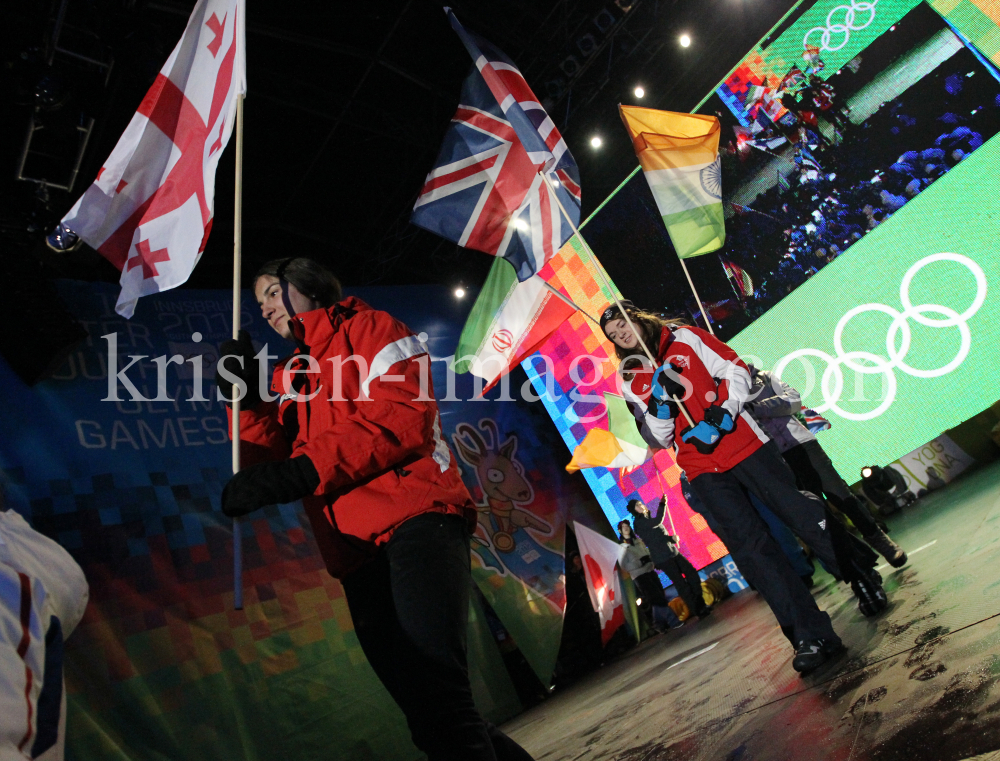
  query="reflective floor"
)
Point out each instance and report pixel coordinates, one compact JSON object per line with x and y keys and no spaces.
{"x":920,"y":681}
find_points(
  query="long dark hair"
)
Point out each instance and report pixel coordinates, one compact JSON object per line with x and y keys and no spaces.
{"x":309,"y":277}
{"x":631,"y":532}
{"x":649,"y":325}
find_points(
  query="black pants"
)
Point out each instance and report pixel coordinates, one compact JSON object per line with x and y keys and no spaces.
{"x":686,"y":580}
{"x":757,"y":554}
{"x":814,"y":472}
{"x":410,"y":606}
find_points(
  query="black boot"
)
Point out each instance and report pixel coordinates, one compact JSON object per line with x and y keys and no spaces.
{"x":810,"y":654}
{"x":887,"y":548}
{"x":867,"y":587}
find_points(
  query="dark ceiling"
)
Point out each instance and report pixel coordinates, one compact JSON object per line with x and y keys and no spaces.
{"x":346,"y":106}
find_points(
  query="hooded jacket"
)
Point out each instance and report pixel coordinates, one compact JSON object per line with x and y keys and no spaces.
{"x":711,"y":373}
{"x":774,"y":407}
{"x":356,"y":398}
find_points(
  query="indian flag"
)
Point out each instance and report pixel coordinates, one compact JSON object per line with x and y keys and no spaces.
{"x":620,"y":446}
{"x":508,"y":323}
{"x":679,"y":154}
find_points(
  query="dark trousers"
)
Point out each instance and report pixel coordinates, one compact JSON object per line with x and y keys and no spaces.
{"x":410,"y":606}
{"x":757,"y":554}
{"x":686,"y":580}
{"x":815,"y":472}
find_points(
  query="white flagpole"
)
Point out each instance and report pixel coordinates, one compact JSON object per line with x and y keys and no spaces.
{"x":611,"y":290}
{"x":237,"y":279}
{"x":708,"y":320}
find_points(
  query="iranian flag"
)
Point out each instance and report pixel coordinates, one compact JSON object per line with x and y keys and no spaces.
{"x":679,"y":154}
{"x":620,"y":446}
{"x":150,"y":209}
{"x":600,"y":556}
{"x":508,"y":323}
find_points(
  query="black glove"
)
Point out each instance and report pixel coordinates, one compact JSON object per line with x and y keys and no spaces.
{"x":720,"y":418}
{"x":249,"y":373}
{"x":269,"y":483}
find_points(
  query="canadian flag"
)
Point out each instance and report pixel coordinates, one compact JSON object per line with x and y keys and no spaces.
{"x":149,"y":212}
{"x":600,"y":556}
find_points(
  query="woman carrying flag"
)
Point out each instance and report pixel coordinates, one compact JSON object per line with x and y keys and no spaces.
{"x":723,"y":452}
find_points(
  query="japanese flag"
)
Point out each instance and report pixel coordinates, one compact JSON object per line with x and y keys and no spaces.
{"x":600,"y":556}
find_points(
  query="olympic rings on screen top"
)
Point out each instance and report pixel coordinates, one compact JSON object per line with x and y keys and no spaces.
{"x":845,"y":28}
{"x":832,"y":383}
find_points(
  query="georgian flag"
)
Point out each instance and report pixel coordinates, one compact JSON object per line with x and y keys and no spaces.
{"x":149,"y":211}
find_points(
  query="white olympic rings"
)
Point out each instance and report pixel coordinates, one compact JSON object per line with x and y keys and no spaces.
{"x":874,"y":363}
{"x":845,"y":28}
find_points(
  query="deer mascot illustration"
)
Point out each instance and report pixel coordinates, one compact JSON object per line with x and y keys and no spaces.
{"x":501,"y":478}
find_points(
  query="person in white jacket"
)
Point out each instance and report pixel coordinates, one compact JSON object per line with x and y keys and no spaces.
{"x":774,"y":406}
{"x":43,"y":594}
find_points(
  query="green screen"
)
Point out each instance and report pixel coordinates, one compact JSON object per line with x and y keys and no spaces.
{"x":915,"y":308}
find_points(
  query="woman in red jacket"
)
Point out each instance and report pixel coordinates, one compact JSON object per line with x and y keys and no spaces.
{"x":353,"y":430}
{"x":724,"y":452}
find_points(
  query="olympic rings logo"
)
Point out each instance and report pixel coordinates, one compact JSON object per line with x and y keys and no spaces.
{"x":832,"y":383}
{"x":832,"y":27}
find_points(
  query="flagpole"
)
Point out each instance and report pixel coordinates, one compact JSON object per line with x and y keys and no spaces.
{"x":730,"y":278}
{"x":708,"y":321}
{"x":611,"y":290}
{"x":666,"y":503}
{"x":567,"y":300}
{"x":237,"y":279}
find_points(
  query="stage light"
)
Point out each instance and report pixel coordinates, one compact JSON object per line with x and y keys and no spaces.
{"x":892,"y":28}
{"x":866,"y":472}
{"x":639,"y":92}
{"x":685,"y":41}
{"x":596,"y":142}
{"x":459,"y":293}
{"x":638,"y":601}
{"x":62,"y":239}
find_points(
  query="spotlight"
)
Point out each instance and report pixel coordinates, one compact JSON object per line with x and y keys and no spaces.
{"x":866,"y":472}
{"x":459,"y":293}
{"x":638,"y":601}
{"x":62,"y":239}
{"x":685,"y":41}
{"x":596,"y":141}
{"x":639,"y":92}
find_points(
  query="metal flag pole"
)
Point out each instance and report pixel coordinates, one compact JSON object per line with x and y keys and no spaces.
{"x":237,"y":279}
{"x":611,"y":290}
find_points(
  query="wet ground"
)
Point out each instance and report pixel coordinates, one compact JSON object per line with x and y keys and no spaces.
{"x":920,"y":681}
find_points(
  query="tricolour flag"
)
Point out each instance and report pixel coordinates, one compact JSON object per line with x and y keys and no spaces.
{"x":679,"y":154}
{"x":508,"y":323}
{"x":744,"y":284}
{"x":600,"y":556}
{"x":149,"y":212}
{"x":620,"y":446}
{"x":486,"y":190}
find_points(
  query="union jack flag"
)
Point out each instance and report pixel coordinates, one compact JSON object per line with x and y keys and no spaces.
{"x":486,"y":190}
{"x":814,"y":421}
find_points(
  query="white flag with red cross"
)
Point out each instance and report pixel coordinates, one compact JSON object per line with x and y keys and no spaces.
{"x":600,"y":556}
{"x":149,"y":212}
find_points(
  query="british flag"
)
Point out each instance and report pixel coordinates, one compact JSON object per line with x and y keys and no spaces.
{"x":486,"y":189}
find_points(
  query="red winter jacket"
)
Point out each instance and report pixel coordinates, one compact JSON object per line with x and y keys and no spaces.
{"x":381,"y":459}
{"x":712,"y":372}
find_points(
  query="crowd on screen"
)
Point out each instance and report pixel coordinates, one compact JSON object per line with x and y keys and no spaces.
{"x":866,"y":173}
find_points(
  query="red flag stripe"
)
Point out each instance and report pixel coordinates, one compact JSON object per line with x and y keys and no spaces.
{"x":486,"y":122}
{"x":459,"y":174}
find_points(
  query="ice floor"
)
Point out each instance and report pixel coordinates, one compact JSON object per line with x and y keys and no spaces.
{"x":920,"y":681}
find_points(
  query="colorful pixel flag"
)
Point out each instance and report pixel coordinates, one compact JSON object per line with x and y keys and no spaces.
{"x":150,"y":210}
{"x":600,"y":556}
{"x":508,"y":323}
{"x":620,"y":446}
{"x":486,"y":189}
{"x":679,"y":154}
